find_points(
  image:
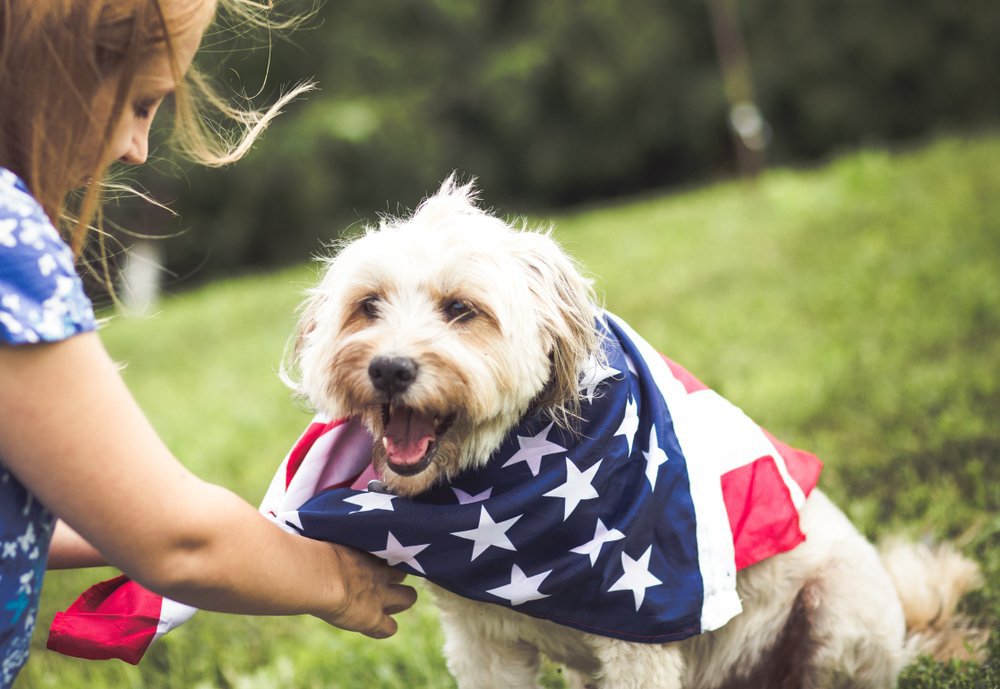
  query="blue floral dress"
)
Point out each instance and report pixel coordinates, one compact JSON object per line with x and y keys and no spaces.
{"x":41,"y":300}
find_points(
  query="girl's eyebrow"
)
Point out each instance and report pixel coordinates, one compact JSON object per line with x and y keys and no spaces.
{"x":150,"y":99}
{"x":155,"y":83}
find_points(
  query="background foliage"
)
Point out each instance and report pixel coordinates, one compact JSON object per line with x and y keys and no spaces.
{"x":556,"y":103}
{"x":853,"y":310}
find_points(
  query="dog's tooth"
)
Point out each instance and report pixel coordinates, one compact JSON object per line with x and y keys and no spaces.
{"x":385,"y":443}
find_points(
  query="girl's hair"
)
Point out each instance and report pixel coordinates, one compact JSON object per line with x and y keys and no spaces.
{"x":55,"y":54}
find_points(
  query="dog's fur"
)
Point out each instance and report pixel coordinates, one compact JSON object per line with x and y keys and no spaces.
{"x":493,"y":322}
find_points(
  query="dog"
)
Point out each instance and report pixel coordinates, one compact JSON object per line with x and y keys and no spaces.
{"x":444,"y":329}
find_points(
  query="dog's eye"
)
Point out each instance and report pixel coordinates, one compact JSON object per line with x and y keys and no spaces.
{"x":456,"y":309}
{"x":369,"y":307}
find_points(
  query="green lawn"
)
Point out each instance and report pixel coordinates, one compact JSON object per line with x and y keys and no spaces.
{"x":854,"y":310}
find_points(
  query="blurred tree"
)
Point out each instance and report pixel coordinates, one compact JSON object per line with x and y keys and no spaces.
{"x":750,"y":131}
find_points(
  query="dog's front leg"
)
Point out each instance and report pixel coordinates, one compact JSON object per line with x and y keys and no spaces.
{"x":626,"y":665}
{"x":478,"y":662}
{"x":483,"y":647}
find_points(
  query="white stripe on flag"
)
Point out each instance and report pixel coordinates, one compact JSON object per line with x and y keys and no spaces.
{"x":172,"y":614}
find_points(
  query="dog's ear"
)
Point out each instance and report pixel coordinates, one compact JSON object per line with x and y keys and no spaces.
{"x":290,"y":371}
{"x":565,"y":302}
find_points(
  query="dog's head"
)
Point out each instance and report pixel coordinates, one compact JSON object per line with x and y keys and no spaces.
{"x":441,"y":331}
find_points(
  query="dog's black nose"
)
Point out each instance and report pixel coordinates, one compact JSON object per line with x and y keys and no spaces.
{"x":392,"y":374}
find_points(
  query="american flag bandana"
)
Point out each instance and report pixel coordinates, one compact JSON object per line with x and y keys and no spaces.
{"x":632,"y":527}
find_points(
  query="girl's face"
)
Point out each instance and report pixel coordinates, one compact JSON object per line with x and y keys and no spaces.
{"x":153,"y":82}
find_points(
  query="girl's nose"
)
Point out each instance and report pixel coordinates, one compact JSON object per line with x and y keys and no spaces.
{"x":138,"y":150}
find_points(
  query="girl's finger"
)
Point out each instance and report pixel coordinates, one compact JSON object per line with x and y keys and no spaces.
{"x":400,"y":598}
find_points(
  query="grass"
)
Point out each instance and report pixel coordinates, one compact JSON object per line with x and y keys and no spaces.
{"x":854,"y":310}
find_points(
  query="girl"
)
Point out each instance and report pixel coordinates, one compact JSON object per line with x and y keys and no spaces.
{"x":80,"y":83}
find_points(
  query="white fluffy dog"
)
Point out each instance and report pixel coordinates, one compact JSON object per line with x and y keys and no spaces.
{"x":443,"y":329}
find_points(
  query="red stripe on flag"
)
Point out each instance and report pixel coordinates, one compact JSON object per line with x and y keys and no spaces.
{"x":762,"y":516}
{"x":114,"y":619}
{"x":803,"y":467}
{"x":690,"y":383}
{"x":304,"y":444}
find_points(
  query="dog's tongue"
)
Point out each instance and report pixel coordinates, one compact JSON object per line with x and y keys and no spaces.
{"x":408,"y":436}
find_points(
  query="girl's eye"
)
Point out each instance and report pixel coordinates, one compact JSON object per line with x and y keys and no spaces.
{"x":459,"y":310}
{"x":144,"y":109}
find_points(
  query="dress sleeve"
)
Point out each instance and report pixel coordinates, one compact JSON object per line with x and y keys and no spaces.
{"x":41,"y":296}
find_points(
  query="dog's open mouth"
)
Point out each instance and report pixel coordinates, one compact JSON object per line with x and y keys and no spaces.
{"x":410,"y":437}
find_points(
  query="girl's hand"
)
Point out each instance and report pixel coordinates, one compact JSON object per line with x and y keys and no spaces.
{"x":366,"y":593}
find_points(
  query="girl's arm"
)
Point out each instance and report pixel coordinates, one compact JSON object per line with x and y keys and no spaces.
{"x":70,"y":550}
{"x":73,"y":435}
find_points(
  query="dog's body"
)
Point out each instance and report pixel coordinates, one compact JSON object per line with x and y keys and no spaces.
{"x":789,"y":628}
{"x":443,"y":330}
